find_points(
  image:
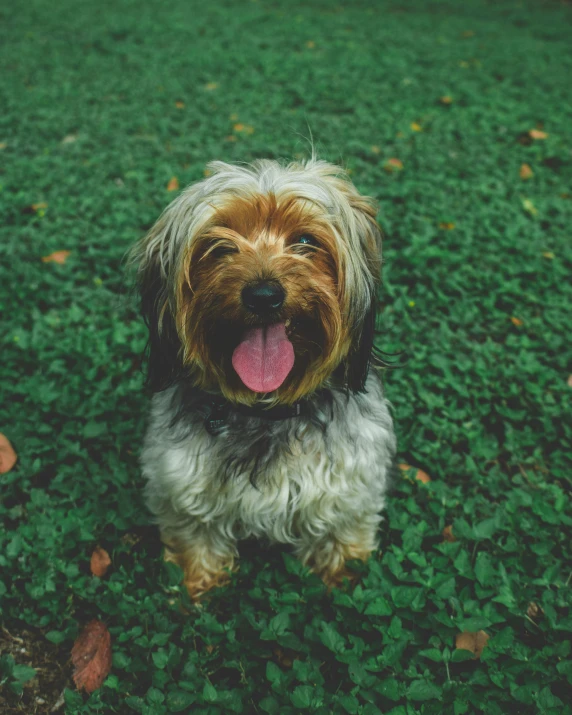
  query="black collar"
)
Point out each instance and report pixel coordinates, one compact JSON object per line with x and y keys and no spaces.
{"x":220,"y":409}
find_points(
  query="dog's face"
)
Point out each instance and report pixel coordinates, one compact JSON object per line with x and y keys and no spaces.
{"x":261,"y":281}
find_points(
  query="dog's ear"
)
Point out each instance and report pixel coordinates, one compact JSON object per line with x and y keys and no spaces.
{"x":163,"y":346}
{"x":356,"y":365}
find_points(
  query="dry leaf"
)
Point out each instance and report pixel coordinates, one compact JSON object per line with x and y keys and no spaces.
{"x":527,"y":205}
{"x":393,"y":165}
{"x":173,"y":184}
{"x":8,"y":457}
{"x":179,"y":104}
{"x":233,"y":117}
{"x":516,"y":321}
{"x":3,"y":145}
{"x":375,"y":149}
{"x":446,"y":99}
{"x":526,"y":172}
{"x":446,"y":226}
{"x":210,"y":86}
{"x":473,"y":642}
{"x":310,"y":44}
{"x":448,"y":534}
{"x":534,"y":610}
{"x":69,"y":139}
{"x":537,"y":134}
{"x":548,"y":254}
{"x":569,"y":381}
{"x":420,"y":475}
{"x":246,"y":128}
{"x":57,"y":257}
{"x":100,"y":562}
{"x":40,"y":206}
{"x":91,"y":656}
{"x":416,"y":127}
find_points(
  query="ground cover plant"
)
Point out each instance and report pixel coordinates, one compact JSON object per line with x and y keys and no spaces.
{"x":456,"y":117}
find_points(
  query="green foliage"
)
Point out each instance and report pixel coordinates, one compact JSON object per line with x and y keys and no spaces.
{"x":91,"y":127}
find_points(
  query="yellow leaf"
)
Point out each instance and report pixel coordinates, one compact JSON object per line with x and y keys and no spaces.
{"x":211,"y":85}
{"x":548,"y":254}
{"x":393,"y":165}
{"x":473,"y":642}
{"x":173,"y":184}
{"x":446,"y":226}
{"x":530,"y":207}
{"x":446,"y":99}
{"x":526,"y":172}
{"x":57,"y":257}
{"x":516,"y":321}
{"x":40,"y":206}
{"x":537,"y":134}
{"x":3,"y":145}
{"x":416,"y":127}
{"x":179,"y":104}
{"x":310,"y":44}
{"x":375,"y":149}
{"x":246,"y":128}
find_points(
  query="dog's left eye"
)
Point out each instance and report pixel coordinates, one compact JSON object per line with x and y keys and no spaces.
{"x":222,"y":249}
{"x":307,"y":240}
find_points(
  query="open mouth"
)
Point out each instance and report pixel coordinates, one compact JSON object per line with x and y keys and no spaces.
{"x":264,"y":357}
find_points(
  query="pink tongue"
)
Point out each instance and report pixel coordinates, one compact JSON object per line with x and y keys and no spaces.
{"x":264,"y":358}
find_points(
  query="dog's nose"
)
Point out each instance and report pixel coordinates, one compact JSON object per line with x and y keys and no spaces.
{"x":263,"y":297}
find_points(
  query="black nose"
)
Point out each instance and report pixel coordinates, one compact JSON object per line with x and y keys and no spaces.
{"x":263,"y":297}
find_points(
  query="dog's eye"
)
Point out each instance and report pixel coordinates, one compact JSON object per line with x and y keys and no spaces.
{"x":222,"y":249}
{"x":307,"y":239}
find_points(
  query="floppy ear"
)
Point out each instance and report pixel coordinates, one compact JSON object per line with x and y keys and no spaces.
{"x":163,"y":347}
{"x":356,"y":365}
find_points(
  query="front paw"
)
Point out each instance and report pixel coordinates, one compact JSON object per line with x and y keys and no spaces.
{"x":202,"y":571}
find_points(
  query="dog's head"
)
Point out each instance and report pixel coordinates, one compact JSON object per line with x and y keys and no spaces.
{"x":261,"y":281}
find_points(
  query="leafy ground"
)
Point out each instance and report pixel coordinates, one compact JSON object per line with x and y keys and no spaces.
{"x":103,"y":104}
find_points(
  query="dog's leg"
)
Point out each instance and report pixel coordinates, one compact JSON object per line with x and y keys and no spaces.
{"x":327,"y":555}
{"x":204,"y":553}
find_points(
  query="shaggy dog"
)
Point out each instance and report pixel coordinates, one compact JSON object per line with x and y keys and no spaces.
{"x":259,"y":287}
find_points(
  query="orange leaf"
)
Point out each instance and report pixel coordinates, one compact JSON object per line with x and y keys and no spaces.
{"x":57,"y":257}
{"x":173,"y":184}
{"x":537,"y":134}
{"x":473,"y":642}
{"x":420,"y":475}
{"x":526,"y":172}
{"x":393,"y":165}
{"x":91,"y":656}
{"x":8,"y":457}
{"x":446,"y":99}
{"x":516,"y":321}
{"x":448,"y":534}
{"x":100,"y":562}
{"x":446,"y":226}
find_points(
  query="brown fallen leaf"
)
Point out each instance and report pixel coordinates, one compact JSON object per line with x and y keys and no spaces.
{"x":310,"y":44}
{"x":516,"y":321}
{"x":446,"y":99}
{"x":473,"y":642}
{"x":375,"y":149}
{"x":548,"y":254}
{"x":179,"y":104}
{"x":99,"y":562}
{"x":57,"y":257}
{"x":537,"y":134}
{"x":173,"y":184}
{"x":534,"y":610}
{"x":91,"y":656}
{"x":446,"y":226}
{"x":448,"y":534}
{"x":525,"y":172}
{"x":393,"y":165}
{"x":8,"y":457}
{"x":40,"y":206}
{"x":420,"y":475}
{"x":569,"y":381}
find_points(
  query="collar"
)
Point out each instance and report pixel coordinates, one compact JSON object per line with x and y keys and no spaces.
{"x":219,"y":411}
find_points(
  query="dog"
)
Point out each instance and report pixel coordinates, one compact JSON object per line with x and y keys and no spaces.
{"x":259,"y":286}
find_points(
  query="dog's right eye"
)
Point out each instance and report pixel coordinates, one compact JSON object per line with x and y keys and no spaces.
{"x":222,"y":249}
